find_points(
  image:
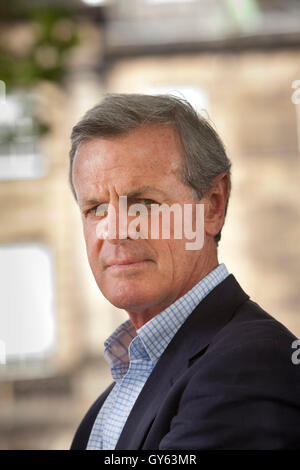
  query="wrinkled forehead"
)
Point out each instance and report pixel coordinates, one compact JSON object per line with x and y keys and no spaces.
{"x":144,"y":157}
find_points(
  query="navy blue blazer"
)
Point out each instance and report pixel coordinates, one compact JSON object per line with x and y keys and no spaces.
{"x":225,"y":381}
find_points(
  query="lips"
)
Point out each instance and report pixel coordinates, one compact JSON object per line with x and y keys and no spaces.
{"x":128,"y":267}
{"x":125,"y":261}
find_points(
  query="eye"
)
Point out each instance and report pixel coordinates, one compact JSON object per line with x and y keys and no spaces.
{"x":90,"y":211}
{"x":147,"y":202}
{"x":97,"y":211}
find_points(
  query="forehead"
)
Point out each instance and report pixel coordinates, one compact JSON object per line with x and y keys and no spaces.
{"x":145,"y":156}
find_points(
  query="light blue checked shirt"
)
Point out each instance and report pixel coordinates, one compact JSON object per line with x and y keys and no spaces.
{"x":133,"y":354}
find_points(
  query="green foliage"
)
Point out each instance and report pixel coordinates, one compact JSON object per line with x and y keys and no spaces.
{"x":54,"y":31}
{"x":55,"y":35}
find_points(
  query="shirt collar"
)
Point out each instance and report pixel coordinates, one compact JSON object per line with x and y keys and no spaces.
{"x":157,"y":333}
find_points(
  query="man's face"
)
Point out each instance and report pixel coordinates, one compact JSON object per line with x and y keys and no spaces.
{"x":145,"y":165}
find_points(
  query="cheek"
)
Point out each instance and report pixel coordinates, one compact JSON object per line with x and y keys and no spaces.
{"x":179,"y":259}
{"x":93,"y":243}
{"x":166,"y":260}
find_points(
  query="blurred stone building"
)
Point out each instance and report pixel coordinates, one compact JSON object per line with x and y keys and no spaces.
{"x":236,"y":64}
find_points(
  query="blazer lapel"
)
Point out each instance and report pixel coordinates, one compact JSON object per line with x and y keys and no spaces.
{"x":215,"y":310}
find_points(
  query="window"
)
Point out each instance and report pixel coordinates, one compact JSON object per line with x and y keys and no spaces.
{"x":19,"y":157}
{"x":27,"y":310}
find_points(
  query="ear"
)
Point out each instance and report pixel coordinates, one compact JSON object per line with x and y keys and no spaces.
{"x":215,"y":202}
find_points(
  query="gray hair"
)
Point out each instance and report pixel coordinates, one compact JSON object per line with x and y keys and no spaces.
{"x":117,"y":114}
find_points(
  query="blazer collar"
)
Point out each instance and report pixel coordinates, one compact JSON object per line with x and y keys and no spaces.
{"x":213,"y":312}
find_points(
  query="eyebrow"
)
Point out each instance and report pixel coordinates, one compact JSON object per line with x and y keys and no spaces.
{"x":142,"y":190}
{"x":131,"y":194}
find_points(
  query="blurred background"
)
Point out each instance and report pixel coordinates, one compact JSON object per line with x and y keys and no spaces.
{"x":237,"y":61}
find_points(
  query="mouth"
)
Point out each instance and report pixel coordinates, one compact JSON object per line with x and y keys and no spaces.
{"x":122,"y":266}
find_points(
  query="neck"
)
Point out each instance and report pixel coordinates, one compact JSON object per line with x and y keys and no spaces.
{"x":203,"y":266}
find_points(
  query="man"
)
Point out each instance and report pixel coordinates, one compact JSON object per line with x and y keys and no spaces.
{"x":198,"y":365}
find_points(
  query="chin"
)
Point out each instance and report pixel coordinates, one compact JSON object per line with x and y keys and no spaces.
{"x":128,"y":296}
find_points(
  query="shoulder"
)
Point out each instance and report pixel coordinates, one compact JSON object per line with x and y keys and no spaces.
{"x":252,"y":325}
{"x":253,"y":348}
